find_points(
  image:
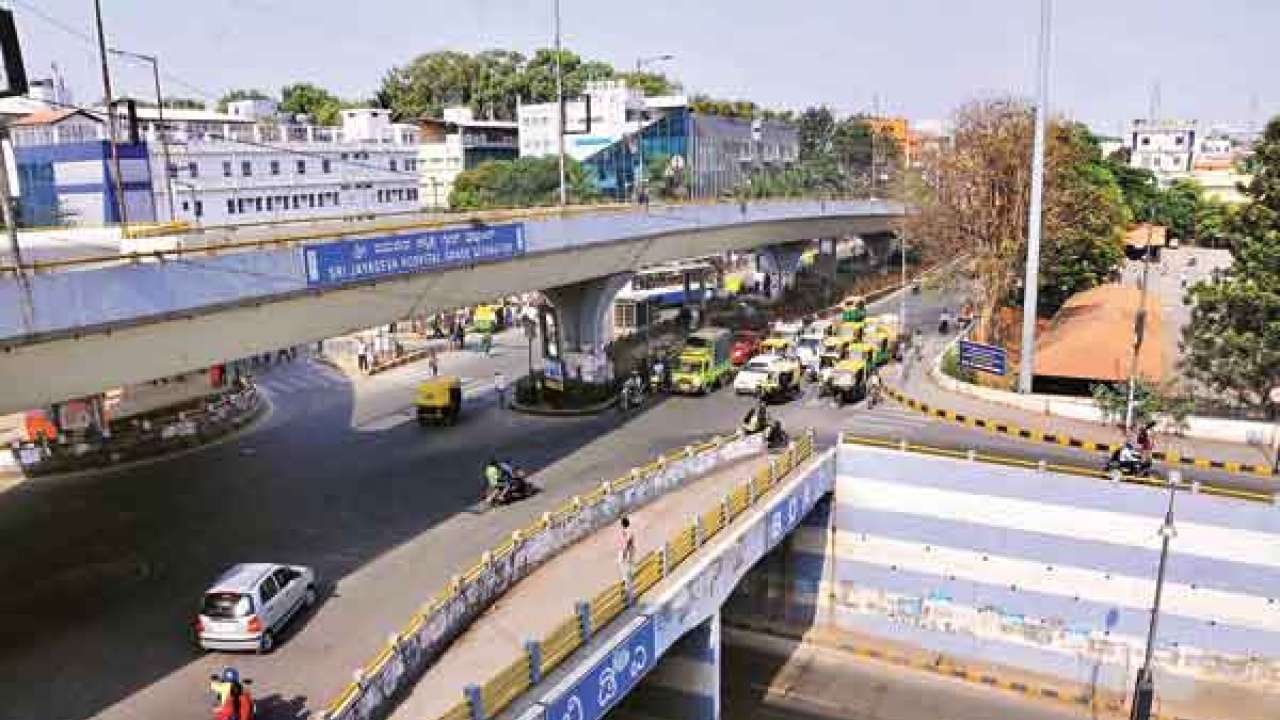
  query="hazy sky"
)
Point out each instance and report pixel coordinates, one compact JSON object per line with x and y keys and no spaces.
{"x":1213,"y":60}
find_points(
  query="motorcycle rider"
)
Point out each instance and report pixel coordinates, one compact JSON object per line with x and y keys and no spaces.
{"x":875,"y":388}
{"x":497,"y":479}
{"x":237,"y":703}
{"x":756,"y":419}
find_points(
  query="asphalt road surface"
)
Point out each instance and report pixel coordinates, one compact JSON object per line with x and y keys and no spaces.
{"x":765,"y":678}
{"x":103,"y":572}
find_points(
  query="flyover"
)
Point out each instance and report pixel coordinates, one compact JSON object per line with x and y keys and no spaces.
{"x":72,"y":333}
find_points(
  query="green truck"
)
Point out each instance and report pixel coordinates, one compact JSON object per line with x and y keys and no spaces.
{"x":703,"y":364}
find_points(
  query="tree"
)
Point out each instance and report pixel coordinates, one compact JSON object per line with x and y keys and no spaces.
{"x":649,"y":83}
{"x":978,"y":196}
{"x":1151,"y":403}
{"x":323,"y":107}
{"x":1176,"y":208}
{"x":1232,"y":343}
{"x":523,"y":182}
{"x":1138,"y":185}
{"x":241,"y":94}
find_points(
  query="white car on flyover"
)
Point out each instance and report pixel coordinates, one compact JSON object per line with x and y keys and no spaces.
{"x":250,"y":604}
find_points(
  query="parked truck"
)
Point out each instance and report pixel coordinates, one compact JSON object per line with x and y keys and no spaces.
{"x":704,"y":363}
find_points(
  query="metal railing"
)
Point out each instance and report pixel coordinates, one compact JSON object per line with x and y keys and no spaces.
{"x":543,"y":656}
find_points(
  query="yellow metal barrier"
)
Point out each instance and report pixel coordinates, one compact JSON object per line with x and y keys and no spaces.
{"x":681,"y":546}
{"x":461,"y":711}
{"x":712,"y":521}
{"x":738,"y":501}
{"x":560,"y":643}
{"x":647,"y":572}
{"x":608,"y":604}
{"x":506,"y":686}
{"x":345,"y":698}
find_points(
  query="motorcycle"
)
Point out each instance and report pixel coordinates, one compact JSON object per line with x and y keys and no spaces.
{"x":775,"y":438}
{"x":631,"y":396}
{"x":220,"y":687}
{"x":1128,"y":461}
{"x":516,"y":486}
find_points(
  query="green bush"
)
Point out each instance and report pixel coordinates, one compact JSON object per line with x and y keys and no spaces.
{"x":951,"y":367}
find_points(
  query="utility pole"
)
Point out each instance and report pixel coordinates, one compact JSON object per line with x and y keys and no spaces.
{"x":10,"y":216}
{"x":1144,"y":686}
{"x":1030,"y":290}
{"x":163,"y":129}
{"x":1139,"y":330}
{"x":902,"y":287}
{"x":112,"y":122}
{"x":564,"y":195}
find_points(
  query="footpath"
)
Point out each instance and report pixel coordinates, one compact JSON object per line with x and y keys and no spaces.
{"x":912,"y":383}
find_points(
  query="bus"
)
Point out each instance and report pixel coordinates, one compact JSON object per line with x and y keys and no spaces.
{"x":653,"y":289}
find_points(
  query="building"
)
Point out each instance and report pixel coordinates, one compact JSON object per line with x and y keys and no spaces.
{"x":1163,"y":146}
{"x":898,"y":129}
{"x":65,"y":174}
{"x":615,"y":110}
{"x":212,"y":168}
{"x":709,"y":155}
{"x":457,"y":142}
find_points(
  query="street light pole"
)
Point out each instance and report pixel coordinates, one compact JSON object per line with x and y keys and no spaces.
{"x":564,"y":195}
{"x":641,"y":63}
{"x":163,"y":129}
{"x":112,"y":123}
{"x":1139,"y":330}
{"x":1144,"y":686}
{"x":1030,"y":287}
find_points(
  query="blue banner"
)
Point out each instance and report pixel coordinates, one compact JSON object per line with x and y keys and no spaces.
{"x":987,"y":358}
{"x":612,"y":677}
{"x":347,"y":261}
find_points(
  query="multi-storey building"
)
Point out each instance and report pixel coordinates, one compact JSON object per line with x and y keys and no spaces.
{"x":457,"y":142}
{"x":616,"y":110}
{"x":1163,"y":146}
{"x":214,"y":168}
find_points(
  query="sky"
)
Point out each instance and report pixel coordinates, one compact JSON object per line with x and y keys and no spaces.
{"x":1216,"y":61}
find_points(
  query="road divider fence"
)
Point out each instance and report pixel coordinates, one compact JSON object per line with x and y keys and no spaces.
{"x":428,"y":633}
{"x":591,"y":616}
{"x":1198,"y":487}
{"x":1065,"y":440}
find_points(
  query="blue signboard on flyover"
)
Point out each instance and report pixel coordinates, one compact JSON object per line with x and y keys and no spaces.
{"x":987,"y":358}
{"x":609,"y":680}
{"x":345,"y":261}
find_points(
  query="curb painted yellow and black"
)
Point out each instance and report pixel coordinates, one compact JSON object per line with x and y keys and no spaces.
{"x":941,"y":665}
{"x":1034,"y":435}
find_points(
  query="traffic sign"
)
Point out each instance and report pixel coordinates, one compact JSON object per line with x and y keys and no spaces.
{"x":987,"y":358}
{"x":609,"y":680}
{"x":344,"y":261}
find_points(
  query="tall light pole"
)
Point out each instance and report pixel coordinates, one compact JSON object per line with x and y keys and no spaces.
{"x":107,"y":98}
{"x":642,"y":63}
{"x":1144,"y":686}
{"x":163,"y":129}
{"x":1030,"y":288}
{"x":564,"y":195}
{"x":1139,"y":330}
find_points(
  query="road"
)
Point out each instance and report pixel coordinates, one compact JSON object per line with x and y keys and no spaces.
{"x":766,"y":678}
{"x":103,"y":572}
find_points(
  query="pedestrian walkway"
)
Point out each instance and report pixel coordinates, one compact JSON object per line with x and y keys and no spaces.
{"x":540,"y":603}
{"x":917,"y":383}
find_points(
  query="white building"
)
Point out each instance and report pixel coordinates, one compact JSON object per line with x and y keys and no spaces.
{"x":1163,"y":146}
{"x":222,"y":169}
{"x":458,"y":142}
{"x":244,"y":170}
{"x":615,"y":111}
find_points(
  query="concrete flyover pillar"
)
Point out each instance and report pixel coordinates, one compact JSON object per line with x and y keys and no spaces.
{"x":780,"y":263}
{"x":685,"y":685}
{"x":582,"y":317}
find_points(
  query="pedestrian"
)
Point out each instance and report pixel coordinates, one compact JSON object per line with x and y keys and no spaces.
{"x":434,"y":362}
{"x":362,"y":356}
{"x":500,"y":387}
{"x":626,"y":546}
{"x":486,"y":342}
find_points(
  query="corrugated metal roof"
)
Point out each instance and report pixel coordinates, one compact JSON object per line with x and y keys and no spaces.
{"x":1091,"y":337}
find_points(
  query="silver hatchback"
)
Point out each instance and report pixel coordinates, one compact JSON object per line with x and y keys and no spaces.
{"x":246,"y":608}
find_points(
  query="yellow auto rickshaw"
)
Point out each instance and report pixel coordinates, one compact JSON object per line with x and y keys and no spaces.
{"x":439,"y":400}
{"x":885,"y":341}
{"x":851,"y":329}
{"x":853,"y":308}
{"x":782,"y":347}
{"x":848,"y":381}
{"x":864,"y":351}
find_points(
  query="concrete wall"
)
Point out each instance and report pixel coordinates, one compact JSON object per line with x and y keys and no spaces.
{"x":1047,"y":573}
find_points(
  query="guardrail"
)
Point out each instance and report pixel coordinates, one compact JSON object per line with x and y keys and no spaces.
{"x":1064,"y":440}
{"x":483,"y":701}
{"x":351,"y":229}
{"x":429,"y":632}
{"x":903,"y":445}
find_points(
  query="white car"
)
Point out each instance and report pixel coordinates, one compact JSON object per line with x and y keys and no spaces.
{"x":250,"y":604}
{"x":751,"y":375}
